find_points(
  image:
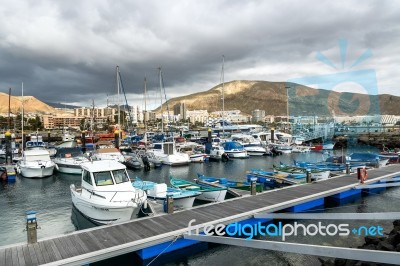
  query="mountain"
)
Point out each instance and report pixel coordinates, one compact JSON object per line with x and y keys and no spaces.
{"x":247,"y":96}
{"x":31,"y":105}
{"x":62,"y":105}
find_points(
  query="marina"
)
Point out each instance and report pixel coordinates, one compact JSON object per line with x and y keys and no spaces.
{"x":209,"y":213}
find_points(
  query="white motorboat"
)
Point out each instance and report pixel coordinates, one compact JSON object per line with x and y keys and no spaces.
{"x":300,"y":148}
{"x":106,"y":194}
{"x":166,"y":152}
{"x":250,"y":144}
{"x":217,"y":153}
{"x":35,"y":163}
{"x":69,"y":160}
{"x":255,"y":150}
{"x":234,"y":149}
{"x":108,"y":154}
{"x":195,"y":152}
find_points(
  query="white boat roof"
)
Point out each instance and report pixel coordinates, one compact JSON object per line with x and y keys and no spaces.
{"x":103,"y":165}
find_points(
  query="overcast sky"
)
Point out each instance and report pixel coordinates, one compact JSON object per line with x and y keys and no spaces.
{"x":67,"y":51}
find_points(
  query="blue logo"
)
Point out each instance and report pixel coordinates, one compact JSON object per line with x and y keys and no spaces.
{"x":345,"y":92}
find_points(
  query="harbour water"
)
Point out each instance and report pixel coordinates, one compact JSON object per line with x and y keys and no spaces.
{"x":50,"y":197}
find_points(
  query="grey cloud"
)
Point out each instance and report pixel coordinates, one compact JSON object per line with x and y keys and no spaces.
{"x":67,"y":51}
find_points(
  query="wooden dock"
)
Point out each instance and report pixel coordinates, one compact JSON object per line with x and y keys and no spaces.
{"x":104,"y":242}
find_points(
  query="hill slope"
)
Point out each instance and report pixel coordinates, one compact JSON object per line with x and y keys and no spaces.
{"x":272,"y":97}
{"x":31,"y":104}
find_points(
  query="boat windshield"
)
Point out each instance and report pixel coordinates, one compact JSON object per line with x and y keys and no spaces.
{"x":120,"y":176}
{"x":103,"y":178}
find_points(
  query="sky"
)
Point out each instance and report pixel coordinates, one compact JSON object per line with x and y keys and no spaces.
{"x":67,"y":51}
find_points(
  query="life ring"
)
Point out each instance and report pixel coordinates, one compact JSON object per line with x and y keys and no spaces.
{"x":363,"y":175}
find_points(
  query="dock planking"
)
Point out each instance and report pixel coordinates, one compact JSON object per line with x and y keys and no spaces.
{"x":103,"y":242}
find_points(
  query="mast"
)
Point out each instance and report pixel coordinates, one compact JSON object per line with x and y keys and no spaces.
{"x":9,"y":109}
{"x":119,"y":111}
{"x":223,"y":97}
{"x":22,"y":120}
{"x":162,"y":116}
{"x":145,"y":107}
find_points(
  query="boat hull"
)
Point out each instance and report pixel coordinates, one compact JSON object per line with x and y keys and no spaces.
{"x":37,"y":172}
{"x":69,"y":168}
{"x":237,"y":154}
{"x":179,"y":203}
{"x":104,"y":214}
{"x":213,"y":196}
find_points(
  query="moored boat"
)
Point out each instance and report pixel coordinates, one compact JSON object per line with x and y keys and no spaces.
{"x":242,"y":185}
{"x":183,"y":199}
{"x":298,"y":172}
{"x":69,"y":160}
{"x":35,"y":163}
{"x":208,"y":193}
{"x":234,"y":150}
{"x":106,"y":194}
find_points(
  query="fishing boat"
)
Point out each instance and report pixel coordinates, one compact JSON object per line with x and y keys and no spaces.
{"x":208,"y":193}
{"x":298,"y":172}
{"x":242,"y":185}
{"x":234,"y":149}
{"x":183,"y":199}
{"x":69,"y":160}
{"x":106,"y":194}
{"x":35,"y":163}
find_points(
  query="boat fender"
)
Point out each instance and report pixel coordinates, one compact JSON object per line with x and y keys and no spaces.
{"x":56,"y":165}
{"x":145,"y":204}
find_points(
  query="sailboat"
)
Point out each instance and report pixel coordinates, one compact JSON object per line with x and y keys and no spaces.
{"x":166,"y":152}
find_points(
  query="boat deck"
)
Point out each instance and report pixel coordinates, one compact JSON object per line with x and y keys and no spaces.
{"x":103,"y":242}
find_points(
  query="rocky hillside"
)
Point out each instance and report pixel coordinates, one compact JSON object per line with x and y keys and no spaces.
{"x":31,"y":104}
{"x":272,"y":97}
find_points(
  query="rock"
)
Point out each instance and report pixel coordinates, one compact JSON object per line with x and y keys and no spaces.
{"x":326,"y":262}
{"x":371,"y":240}
{"x":394,"y":230}
{"x":385,"y":246}
{"x":340,"y":262}
{"x":394,"y":238}
{"x":396,"y":223}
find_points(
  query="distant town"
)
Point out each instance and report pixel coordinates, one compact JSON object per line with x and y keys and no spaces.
{"x":101,"y":119}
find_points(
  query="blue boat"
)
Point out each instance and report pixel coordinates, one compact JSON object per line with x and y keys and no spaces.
{"x":208,"y":193}
{"x":242,"y":185}
{"x":367,"y":158}
{"x":183,"y":199}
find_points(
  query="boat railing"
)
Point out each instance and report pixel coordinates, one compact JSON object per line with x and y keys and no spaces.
{"x":136,"y":196}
